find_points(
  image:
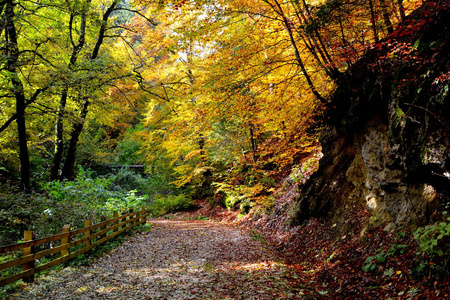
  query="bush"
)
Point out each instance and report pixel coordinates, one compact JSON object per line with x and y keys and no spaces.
{"x":99,"y":194}
{"x":372,"y":263}
{"x":171,"y":203}
{"x":239,"y":196}
{"x":434,"y":249}
{"x":17,"y":211}
{"x":126,"y":180}
{"x":68,"y":202}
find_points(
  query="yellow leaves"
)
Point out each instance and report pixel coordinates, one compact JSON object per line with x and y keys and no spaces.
{"x":230,"y":81}
{"x":188,"y":173}
{"x":5,"y":150}
{"x":193,"y":154}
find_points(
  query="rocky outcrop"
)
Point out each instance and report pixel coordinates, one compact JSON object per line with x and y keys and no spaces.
{"x":386,"y":143}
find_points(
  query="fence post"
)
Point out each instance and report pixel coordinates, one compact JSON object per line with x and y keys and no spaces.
{"x":87,"y":233}
{"x":131,"y":224}
{"x":143,"y":216}
{"x":123,"y":219}
{"x":65,"y":240}
{"x":102,"y":219}
{"x":28,"y":236}
{"x":116,"y":215}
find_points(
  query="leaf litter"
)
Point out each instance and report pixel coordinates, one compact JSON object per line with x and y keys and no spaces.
{"x":175,"y":260}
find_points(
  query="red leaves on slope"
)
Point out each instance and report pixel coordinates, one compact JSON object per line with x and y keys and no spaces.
{"x":331,"y":257}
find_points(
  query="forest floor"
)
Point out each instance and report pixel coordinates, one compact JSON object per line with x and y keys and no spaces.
{"x":176,"y":259}
{"x":230,"y":256}
{"x":346,"y":260}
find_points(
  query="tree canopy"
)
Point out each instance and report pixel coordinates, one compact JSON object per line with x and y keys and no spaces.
{"x":196,"y":90}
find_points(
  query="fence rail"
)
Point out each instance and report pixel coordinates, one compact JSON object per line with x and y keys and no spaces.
{"x":93,"y":236}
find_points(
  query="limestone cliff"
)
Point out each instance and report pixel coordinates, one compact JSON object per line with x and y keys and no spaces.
{"x":386,"y":141}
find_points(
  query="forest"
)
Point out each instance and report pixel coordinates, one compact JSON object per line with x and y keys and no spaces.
{"x":280,"y":115}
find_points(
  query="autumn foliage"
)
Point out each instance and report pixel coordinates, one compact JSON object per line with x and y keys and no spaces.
{"x":199,"y":87}
{"x":242,"y":85}
{"x":217,"y":100}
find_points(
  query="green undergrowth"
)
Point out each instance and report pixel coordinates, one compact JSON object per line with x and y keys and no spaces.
{"x":434,"y":250}
{"x":87,"y":197}
{"x":166,"y":204}
{"x":431,"y":253}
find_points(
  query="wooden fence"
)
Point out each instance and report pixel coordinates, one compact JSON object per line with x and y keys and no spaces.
{"x":91,"y":236}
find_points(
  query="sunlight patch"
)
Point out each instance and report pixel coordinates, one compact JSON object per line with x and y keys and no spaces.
{"x":259,"y":266}
{"x":105,"y":290}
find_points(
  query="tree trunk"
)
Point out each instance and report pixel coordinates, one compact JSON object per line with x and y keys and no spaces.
{"x":23,"y":143}
{"x":19,"y":94}
{"x":69,"y":166}
{"x":401,"y":9}
{"x":387,"y":20}
{"x":59,"y":127}
{"x":373,"y":21}
{"x":331,"y":70}
{"x":68,"y":171}
{"x":288,"y":26}
{"x":207,"y":174}
{"x":28,"y":102}
{"x":59,"y":141}
{"x":346,"y":44}
{"x":253,"y":143}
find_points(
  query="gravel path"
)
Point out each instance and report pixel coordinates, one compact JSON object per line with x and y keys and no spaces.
{"x":174,"y":260}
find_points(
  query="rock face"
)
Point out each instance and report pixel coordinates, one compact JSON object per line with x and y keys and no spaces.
{"x":386,"y":143}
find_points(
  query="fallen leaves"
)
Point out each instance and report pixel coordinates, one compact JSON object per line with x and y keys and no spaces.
{"x":175,"y":260}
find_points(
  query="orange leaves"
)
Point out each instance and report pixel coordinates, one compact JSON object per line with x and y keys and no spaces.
{"x":230,"y":72}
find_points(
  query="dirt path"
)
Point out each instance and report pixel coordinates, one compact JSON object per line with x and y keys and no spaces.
{"x":174,"y":260}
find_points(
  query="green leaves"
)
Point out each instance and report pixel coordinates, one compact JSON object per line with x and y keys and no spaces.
{"x":372,"y":263}
{"x":434,"y":249}
{"x":434,"y":239}
{"x":170,"y":203}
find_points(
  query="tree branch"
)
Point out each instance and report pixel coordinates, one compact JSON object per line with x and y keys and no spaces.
{"x":139,"y":13}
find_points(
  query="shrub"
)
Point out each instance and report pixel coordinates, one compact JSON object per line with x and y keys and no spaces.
{"x":126,"y":180}
{"x":372,"y":263}
{"x":242,"y":195}
{"x":171,"y":203}
{"x":434,"y":249}
{"x":17,"y":211}
{"x":67,"y":202}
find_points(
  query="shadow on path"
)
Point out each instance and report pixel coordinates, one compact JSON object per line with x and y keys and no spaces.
{"x":175,"y":260}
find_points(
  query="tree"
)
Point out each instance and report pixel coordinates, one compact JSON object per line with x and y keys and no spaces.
{"x":96,"y":63}
{"x":12,"y":52}
{"x":77,"y":46}
{"x":15,"y":87}
{"x":217,"y":81}
{"x":52,"y":59}
{"x":262,"y":71}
